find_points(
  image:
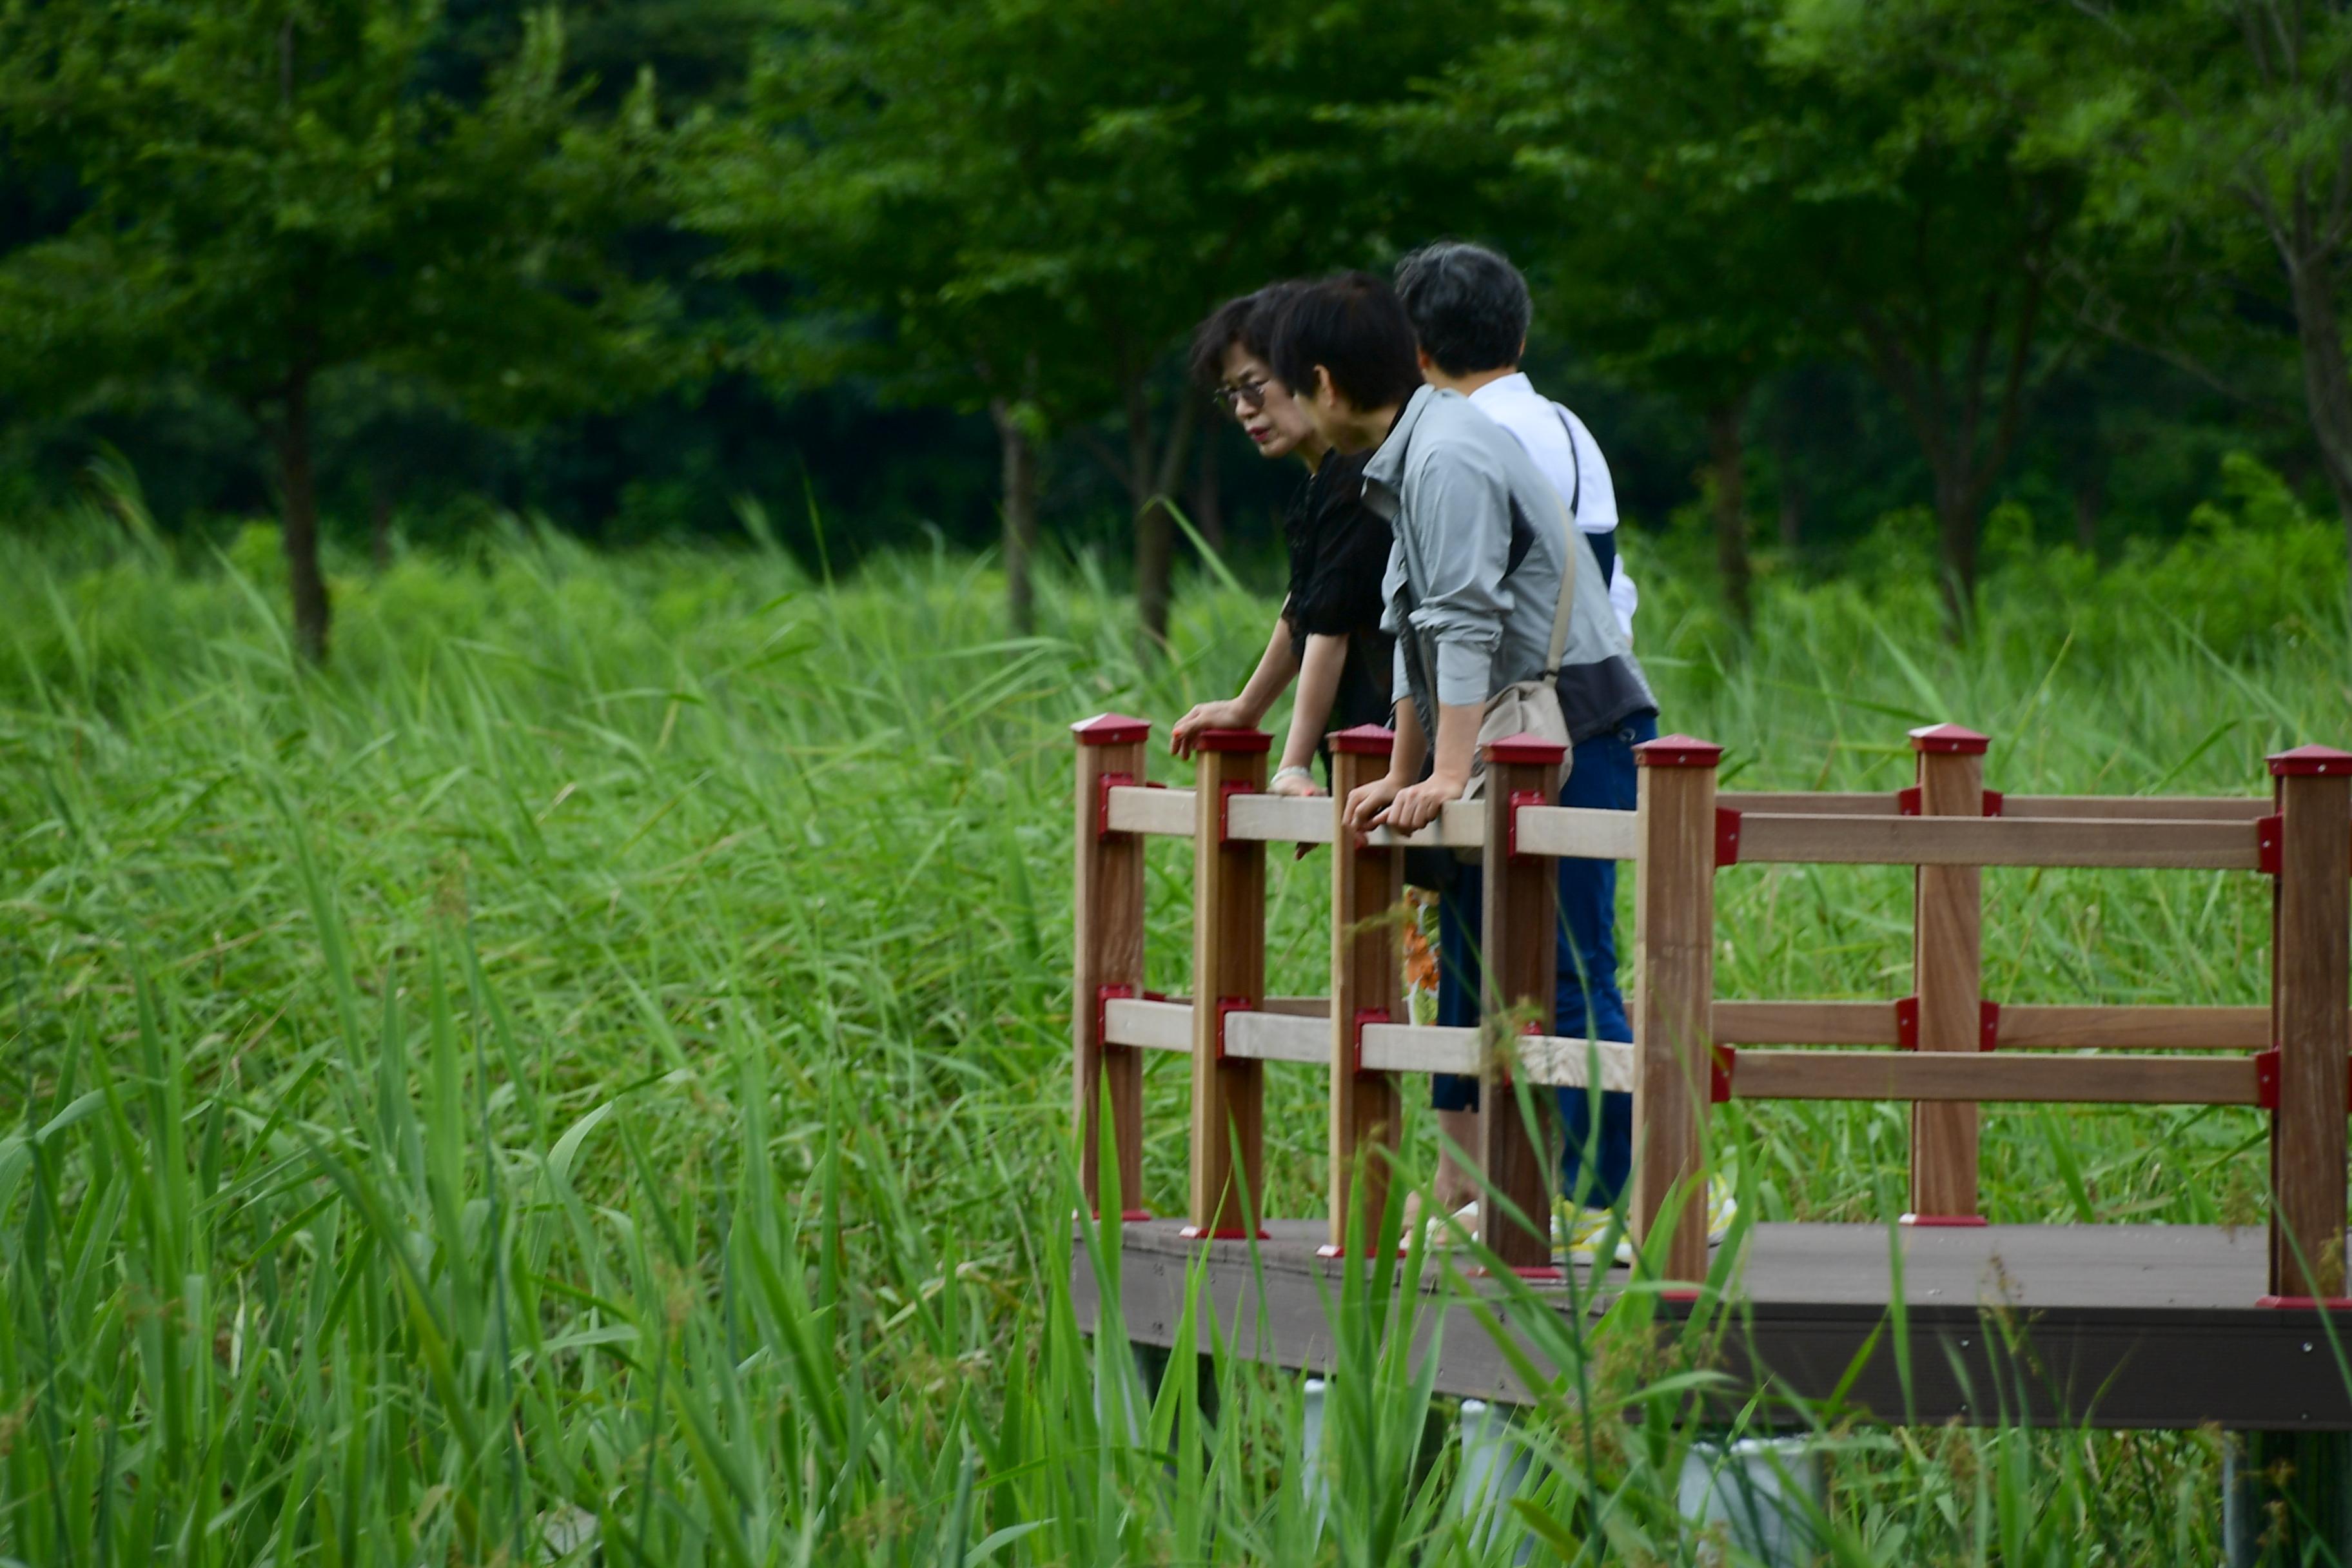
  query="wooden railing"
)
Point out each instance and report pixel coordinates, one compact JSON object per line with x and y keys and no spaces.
{"x":1952,"y":1047}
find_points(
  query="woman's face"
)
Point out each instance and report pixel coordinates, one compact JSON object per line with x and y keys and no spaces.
{"x":1268,"y":415}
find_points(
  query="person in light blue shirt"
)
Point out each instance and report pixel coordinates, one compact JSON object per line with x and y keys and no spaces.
{"x":1470,"y":311}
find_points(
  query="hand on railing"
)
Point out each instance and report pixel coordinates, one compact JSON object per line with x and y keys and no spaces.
{"x":1368,"y":805}
{"x":1232,"y":713}
{"x":1295,"y":782}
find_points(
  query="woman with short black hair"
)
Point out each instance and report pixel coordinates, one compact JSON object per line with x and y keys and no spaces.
{"x":1328,"y":637}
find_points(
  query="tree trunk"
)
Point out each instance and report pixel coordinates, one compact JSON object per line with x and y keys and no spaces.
{"x":2327,"y":391}
{"x":1792,"y":512}
{"x":2090,"y":502}
{"x":1727,"y":461}
{"x":1019,"y":478}
{"x":1149,"y":482}
{"x":312,"y":610}
{"x":1208,"y":498}
{"x":379,"y":522}
{"x":1957,"y":499}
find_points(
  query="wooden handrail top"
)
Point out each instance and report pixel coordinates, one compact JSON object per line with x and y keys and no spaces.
{"x":1822,"y":840}
{"x":1969,"y":1077}
{"x":2073,"y":807}
{"x":1552,"y":1060}
{"x":1797,"y":828}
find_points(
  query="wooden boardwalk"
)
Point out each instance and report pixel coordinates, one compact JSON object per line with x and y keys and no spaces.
{"x":2111,"y":1325}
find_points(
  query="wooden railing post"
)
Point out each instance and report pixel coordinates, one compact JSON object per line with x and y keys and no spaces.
{"x":1366,"y":984}
{"x":1228,"y":975}
{"x":1518,"y":961}
{"x":2311,"y":974}
{"x":1674,"y":991}
{"x":1947,"y":976}
{"x":1106,"y":929}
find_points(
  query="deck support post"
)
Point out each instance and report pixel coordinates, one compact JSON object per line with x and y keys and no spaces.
{"x":2284,"y":1493}
{"x":2311,"y":972}
{"x":1674,"y":992}
{"x":1947,"y":975}
{"x":1518,"y":960}
{"x":1107,"y":934}
{"x":1367,"y":1117}
{"x":1228,"y":971}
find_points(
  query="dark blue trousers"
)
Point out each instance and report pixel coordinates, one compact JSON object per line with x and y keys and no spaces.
{"x":1586,"y":1000}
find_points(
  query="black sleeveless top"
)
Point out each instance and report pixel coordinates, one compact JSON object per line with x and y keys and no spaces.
{"x":1339,"y":551}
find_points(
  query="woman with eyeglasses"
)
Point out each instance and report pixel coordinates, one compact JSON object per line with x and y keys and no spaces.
{"x":1329,"y":636}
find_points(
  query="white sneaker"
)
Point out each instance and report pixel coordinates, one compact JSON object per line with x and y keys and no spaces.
{"x":1577,"y":1231}
{"x":1452,"y":1229}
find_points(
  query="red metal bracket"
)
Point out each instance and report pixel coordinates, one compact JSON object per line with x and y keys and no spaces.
{"x":1909,"y":803}
{"x":1906,"y":1024}
{"x":1225,"y":1007}
{"x":2266,"y":1082}
{"x":1225,"y":793}
{"x":1721,"y":1063}
{"x":1104,"y":785}
{"x":1520,"y":797}
{"x":1727,"y":837}
{"x":2269,"y":833}
{"x":1365,"y":1016}
{"x":1104,"y":996}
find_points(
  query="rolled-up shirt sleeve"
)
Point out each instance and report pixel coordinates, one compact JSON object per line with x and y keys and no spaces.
{"x":1460,"y":515}
{"x":1390,"y":582}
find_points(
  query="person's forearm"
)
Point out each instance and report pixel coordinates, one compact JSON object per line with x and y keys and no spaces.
{"x":1276,"y":670}
{"x":1319,"y":682}
{"x":1410,"y":746}
{"x":1457,"y":742}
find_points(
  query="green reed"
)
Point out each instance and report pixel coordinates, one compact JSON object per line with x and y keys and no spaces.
{"x":583,"y":1080}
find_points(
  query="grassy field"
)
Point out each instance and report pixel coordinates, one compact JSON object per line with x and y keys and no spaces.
{"x":583,"y":1079}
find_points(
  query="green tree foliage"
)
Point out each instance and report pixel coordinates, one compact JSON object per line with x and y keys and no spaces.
{"x":1036,"y":203}
{"x":1652,"y":206}
{"x":2216,"y":140}
{"x":273,"y":197}
{"x":1715,"y":188}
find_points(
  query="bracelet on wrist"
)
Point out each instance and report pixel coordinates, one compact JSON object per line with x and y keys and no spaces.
{"x":1283,"y":772}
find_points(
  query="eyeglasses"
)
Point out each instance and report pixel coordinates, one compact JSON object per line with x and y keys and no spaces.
{"x":1237,"y":395}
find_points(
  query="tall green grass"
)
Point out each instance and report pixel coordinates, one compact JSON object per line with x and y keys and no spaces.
{"x":582,"y":1079}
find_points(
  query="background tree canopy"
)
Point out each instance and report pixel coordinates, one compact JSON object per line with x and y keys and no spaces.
{"x":1819,"y":273}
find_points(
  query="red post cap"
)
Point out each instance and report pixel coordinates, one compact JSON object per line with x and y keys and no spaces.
{"x":1363,"y":741}
{"x":1950,"y":740}
{"x":1110,"y":730}
{"x":1525,"y":748}
{"x":1677,"y":751}
{"x":1242,"y":741}
{"x":2310,"y":761}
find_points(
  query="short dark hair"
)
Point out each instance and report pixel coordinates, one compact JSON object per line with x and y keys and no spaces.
{"x":1352,"y":325}
{"x":1469,"y":306}
{"x":1247,"y":321}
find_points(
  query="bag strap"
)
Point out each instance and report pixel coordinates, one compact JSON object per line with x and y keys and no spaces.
{"x":1568,"y":549}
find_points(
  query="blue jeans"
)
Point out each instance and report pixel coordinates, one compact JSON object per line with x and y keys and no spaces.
{"x":1586,"y":999}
